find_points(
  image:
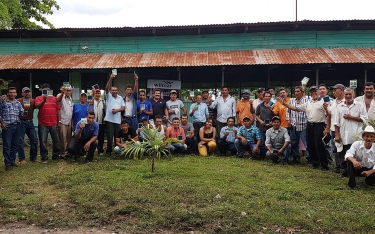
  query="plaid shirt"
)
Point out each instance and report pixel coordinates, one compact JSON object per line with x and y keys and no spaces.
{"x":298,"y":119}
{"x":251,"y":135}
{"x":9,"y":112}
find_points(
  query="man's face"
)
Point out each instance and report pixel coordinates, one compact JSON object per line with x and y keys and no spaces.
{"x":158,"y":122}
{"x":125,"y":127}
{"x":145,"y":122}
{"x":349,"y":96}
{"x":260,"y":94}
{"x":157,"y":95}
{"x":369,"y":91}
{"x":173,"y":96}
{"x":314,"y":94}
{"x":176,"y":123}
{"x":283,"y":94}
{"x":368,"y":138}
{"x":128,"y":91}
{"x":276,"y":124}
{"x":267,"y":97}
{"x":12,"y":94}
{"x":245,"y":96}
{"x":247,"y":123}
{"x":97,"y":96}
{"x":142,"y":96}
{"x":198,"y":99}
{"x":26,"y":94}
{"x":323,"y":91}
{"x":298,"y":93}
{"x":184,"y":120}
{"x":114,"y":91}
{"x":337,"y":93}
{"x":205,"y":95}
{"x":68,"y":92}
{"x":272,"y":91}
{"x":83,"y":98}
{"x":230,"y":122}
{"x":90,"y":119}
{"x":224,"y":91}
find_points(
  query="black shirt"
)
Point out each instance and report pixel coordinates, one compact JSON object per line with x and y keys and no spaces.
{"x":126,"y":136}
{"x":158,"y":107}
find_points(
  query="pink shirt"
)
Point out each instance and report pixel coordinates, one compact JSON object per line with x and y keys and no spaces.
{"x":174,"y":133}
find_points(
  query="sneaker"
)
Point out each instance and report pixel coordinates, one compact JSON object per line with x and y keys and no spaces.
{"x":35,"y":160}
{"x":8,"y":167}
{"x":101,"y":154}
{"x":23,"y":161}
{"x":336,"y":170}
{"x":15,"y":165}
{"x":44,"y":161}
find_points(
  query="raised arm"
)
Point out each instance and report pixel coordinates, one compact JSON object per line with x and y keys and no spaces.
{"x":108,"y":85}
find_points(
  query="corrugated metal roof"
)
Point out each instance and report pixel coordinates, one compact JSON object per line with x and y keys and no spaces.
{"x":187,"y":59}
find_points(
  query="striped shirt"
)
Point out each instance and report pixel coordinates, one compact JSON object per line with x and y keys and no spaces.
{"x":298,"y":119}
{"x":251,"y":134}
{"x":9,"y":112}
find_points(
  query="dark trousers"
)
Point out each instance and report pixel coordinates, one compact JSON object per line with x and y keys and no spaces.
{"x":224,"y":146}
{"x":75,"y":147}
{"x":197,"y":126}
{"x":101,"y":138}
{"x":219,"y":126}
{"x":112,"y":129}
{"x":28,"y":128}
{"x":11,"y":143}
{"x":353,"y":173}
{"x":192,"y":144}
{"x":343,"y":163}
{"x":43,"y":135}
{"x":315,"y":144}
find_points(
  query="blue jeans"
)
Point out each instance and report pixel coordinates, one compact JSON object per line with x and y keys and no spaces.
{"x":28,"y":128}
{"x":43,"y":134}
{"x":177,"y":147}
{"x":334,"y":151}
{"x":241,"y":147}
{"x":284,"y":158}
{"x":225,"y":145}
{"x":262,"y":147}
{"x":11,"y":143}
{"x":295,"y":136}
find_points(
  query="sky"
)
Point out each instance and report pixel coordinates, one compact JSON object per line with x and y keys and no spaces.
{"x":141,"y":13}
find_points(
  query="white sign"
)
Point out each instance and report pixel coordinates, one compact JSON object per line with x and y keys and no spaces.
{"x":165,"y":86}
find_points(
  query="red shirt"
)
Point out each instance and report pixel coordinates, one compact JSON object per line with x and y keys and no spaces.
{"x":47,"y":115}
{"x":174,"y":133}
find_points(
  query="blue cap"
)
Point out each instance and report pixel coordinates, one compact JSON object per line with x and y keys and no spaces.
{"x":246,"y":91}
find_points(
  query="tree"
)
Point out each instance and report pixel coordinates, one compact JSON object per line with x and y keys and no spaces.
{"x":26,"y":14}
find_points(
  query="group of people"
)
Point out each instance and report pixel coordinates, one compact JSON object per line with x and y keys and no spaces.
{"x":273,"y":124}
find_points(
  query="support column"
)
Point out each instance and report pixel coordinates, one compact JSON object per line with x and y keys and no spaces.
{"x":365,"y":75}
{"x":222,"y":75}
{"x":268,"y":82}
{"x":31,"y":81}
{"x":179,"y":73}
{"x":317,"y":76}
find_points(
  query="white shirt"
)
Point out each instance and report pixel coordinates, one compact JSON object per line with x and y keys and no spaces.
{"x":256,"y":103}
{"x":333,"y":109}
{"x":314,"y":111}
{"x":350,"y":128}
{"x":99,"y":109}
{"x":364,"y":156}
{"x":371,"y":110}
{"x":225,"y":108}
{"x":129,"y":108}
{"x":66,"y":109}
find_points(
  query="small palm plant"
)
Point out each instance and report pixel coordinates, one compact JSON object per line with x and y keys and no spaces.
{"x":152,"y":145}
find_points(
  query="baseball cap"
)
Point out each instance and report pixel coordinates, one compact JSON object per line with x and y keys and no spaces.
{"x":338,"y":86}
{"x":84,"y":94}
{"x":275,"y":118}
{"x":246,"y":91}
{"x":314,"y":87}
{"x":260,"y":89}
{"x":24,"y":89}
{"x":246,"y":117}
{"x":173,"y":91}
{"x":97,"y":90}
{"x":143,"y":119}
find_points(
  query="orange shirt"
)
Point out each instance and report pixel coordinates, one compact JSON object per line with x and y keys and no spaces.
{"x":242,"y":110}
{"x":281,"y":110}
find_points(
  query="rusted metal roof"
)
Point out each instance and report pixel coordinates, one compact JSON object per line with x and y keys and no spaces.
{"x":187,"y":59}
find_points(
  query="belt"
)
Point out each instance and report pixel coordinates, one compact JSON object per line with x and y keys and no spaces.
{"x":26,"y":120}
{"x":129,"y":117}
{"x":15,"y":123}
{"x":315,"y":123}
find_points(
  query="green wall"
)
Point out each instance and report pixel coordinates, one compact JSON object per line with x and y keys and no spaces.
{"x":212,"y":42}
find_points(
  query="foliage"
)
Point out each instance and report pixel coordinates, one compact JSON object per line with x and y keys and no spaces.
{"x":26,"y":13}
{"x":152,"y":145}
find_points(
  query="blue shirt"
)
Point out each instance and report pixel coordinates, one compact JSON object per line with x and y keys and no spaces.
{"x":88,"y":131}
{"x":201,"y":113}
{"x":148,"y":107}
{"x":9,"y":112}
{"x":231,"y":136}
{"x":113,"y":103}
{"x":80,"y":111}
{"x":251,"y":135}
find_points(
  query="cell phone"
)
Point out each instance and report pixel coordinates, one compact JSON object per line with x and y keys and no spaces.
{"x":179,"y":138}
{"x":89,"y":97}
{"x":267,"y":121}
{"x":275,"y":152}
{"x":50,"y":92}
{"x":114,"y":72}
{"x":140,"y":125}
{"x":44,"y":91}
{"x":84,"y":120}
{"x":95,"y":86}
{"x":270,"y":103}
{"x":26,"y":102}
{"x":188,"y":133}
{"x":230,"y":129}
{"x":344,"y":112}
{"x":326,"y":99}
{"x":252,"y":97}
{"x":65,"y":84}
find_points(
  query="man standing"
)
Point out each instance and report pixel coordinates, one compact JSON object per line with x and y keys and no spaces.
{"x":350,"y":118}
{"x":144,"y":107}
{"x":85,"y":136}
{"x":281,"y":110}
{"x":277,"y":141}
{"x":361,"y":158}
{"x":81,"y":109}
{"x":273,"y":94}
{"x":227,"y":138}
{"x":248,"y":137}
{"x":191,"y":139}
{"x":199,"y":112}
{"x":99,"y":110}
{"x":159,"y":106}
{"x":298,"y":122}
{"x":174,"y":106}
{"x":10,"y":110}
{"x":260,"y":99}
{"x":48,"y":118}
{"x":178,"y":135}
{"x":316,"y":111}
{"x":244,"y":107}
{"x":207,"y":99}
{"x":368,"y":99}
{"x":65,"y":125}
{"x":225,"y":106}
{"x":27,"y":126}
{"x":130,"y":101}
{"x":115,"y":105}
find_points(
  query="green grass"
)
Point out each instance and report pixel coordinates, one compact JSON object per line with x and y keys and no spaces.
{"x":181,"y":196}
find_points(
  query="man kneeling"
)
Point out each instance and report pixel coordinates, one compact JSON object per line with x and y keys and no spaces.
{"x":125,"y":134}
{"x":277,"y":141}
{"x":361,"y":158}
{"x":85,"y":135}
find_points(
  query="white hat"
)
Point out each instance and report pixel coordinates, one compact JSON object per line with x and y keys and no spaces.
{"x":339,"y":146}
{"x":368,"y":128}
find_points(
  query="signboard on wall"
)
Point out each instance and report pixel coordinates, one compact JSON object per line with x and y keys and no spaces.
{"x":165,"y":87}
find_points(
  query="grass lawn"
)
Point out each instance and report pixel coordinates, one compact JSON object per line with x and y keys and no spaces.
{"x":186,"y":193}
